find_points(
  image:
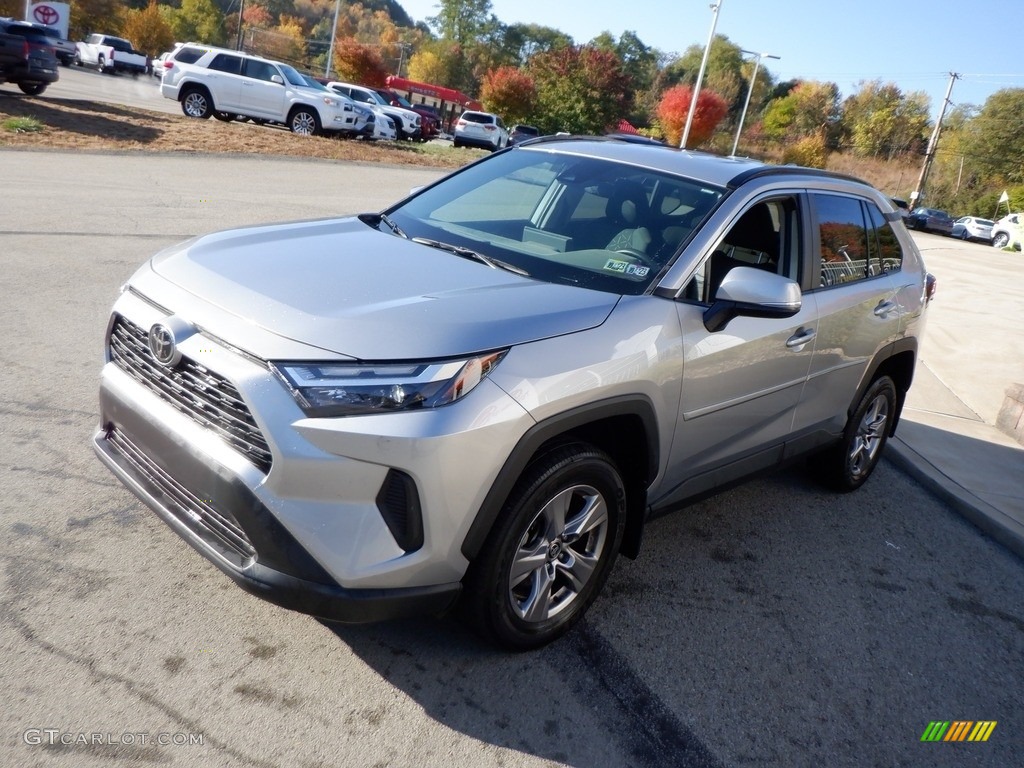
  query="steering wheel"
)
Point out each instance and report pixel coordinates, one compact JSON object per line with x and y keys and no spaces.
{"x":640,"y":256}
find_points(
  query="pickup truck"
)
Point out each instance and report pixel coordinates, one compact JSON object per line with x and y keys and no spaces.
{"x":27,"y":59}
{"x":110,"y":54}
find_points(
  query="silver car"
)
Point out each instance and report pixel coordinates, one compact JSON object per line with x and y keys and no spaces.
{"x":484,"y":392}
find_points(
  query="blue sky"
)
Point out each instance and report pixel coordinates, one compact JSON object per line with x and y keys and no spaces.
{"x":913,"y":44}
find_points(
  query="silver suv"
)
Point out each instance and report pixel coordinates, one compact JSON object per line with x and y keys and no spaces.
{"x":484,"y":392}
{"x":230,"y":84}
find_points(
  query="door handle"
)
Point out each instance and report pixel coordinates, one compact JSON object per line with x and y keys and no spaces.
{"x":884,"y":308}
{"x":800,"y":338}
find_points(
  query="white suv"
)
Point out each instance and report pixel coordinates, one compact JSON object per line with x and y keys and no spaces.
{"x":480,"y":129}
{"x":230,"y":84}
{"x":407,"y":122}
{"x":1008,"y":230}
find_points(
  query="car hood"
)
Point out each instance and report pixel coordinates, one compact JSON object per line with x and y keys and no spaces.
{"x":350,"y":289}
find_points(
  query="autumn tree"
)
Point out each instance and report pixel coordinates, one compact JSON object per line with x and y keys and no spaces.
{"x":579,"y":89}
{"x":89,"y":16}
{"x":148,"y":30}
{"x":724,"y":73}
{"x":883,"y":122}
{"x":428,"y":66}
{"x":674,"y":108}
{"x":358,"y":63}
{"x":810,"y":108}
{"x":511,"y":93}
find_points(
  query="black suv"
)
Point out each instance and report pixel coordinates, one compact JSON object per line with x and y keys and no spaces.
{"x":27,"y":57}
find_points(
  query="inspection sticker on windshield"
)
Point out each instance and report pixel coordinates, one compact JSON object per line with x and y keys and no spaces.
{"x":636,"y":269}
{"x":614,"y":265}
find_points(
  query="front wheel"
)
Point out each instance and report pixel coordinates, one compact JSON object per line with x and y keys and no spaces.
{"x":550,"y":551}
{"x":848,"y":466}
{"x":32,"y":89}
{"x":304,"y":122}
{"x":1001,"y":240}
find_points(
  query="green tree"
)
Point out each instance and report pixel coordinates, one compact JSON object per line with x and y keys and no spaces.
{"x":883,"y":122}
{"x":462,"y":21}
{"x":199,"y":21}
{"x":994,"y":145}
{"x":579,"y":89}
{"x":810,"y":108}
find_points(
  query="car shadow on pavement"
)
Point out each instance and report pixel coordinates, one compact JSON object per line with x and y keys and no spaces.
{"x":85,"y":118}
{"x":777,"y":623}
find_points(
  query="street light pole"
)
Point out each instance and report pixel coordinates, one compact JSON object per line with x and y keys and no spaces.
{"x":750,"y":91}
{"x":334,"y":31}
{"x":700,"y":75}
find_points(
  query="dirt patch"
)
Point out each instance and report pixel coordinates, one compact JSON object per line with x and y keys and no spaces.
{"x":96,"y":126}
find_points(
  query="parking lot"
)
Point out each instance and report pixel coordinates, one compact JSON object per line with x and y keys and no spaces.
{"x":776,"y":624}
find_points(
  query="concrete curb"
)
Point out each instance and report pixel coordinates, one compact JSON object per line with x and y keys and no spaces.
{"x":995,"y":523}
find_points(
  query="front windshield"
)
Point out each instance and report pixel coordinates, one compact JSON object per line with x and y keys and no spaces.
{"x":309,"y":81}
{"x":292,"y":75}
{"x":564,"y":218}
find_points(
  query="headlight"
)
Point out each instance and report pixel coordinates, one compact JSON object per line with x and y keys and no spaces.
{"x":351,"y":389}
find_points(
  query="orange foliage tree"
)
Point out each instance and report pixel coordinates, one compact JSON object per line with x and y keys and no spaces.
{"x":358,"y":63}
{"x":509,"y":92}
{"x":675,"y":106}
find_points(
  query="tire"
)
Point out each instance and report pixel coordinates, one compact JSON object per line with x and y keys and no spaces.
{"x":538,"y":573}
{"x":304,"y":122}
{"x":847,"y":466}
{"x":456,"y":144}
{"x":1001,"y":240}
{"x":32,"y":89}
{"x":195,"y":102}
{"x":224,"y":117}
{"x":101,"y":64}
{"x":78,"y":59}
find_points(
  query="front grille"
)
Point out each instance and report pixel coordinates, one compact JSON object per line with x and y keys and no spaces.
{"x":206,"y":397}
{"x":216,"y":527}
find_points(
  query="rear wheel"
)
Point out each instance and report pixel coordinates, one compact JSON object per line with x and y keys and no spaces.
{"x":195,"y":102}
{"x":848,"y":466}
{"x":224,"y":117}
{"x":304,"y":122}
{"x":550,"y":551}
{"x":32,"y":89}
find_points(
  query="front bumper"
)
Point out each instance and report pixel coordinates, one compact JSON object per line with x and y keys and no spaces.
{"x":220,"y":517}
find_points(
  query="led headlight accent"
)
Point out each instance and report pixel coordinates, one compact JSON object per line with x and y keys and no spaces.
{"x":352,"y":389}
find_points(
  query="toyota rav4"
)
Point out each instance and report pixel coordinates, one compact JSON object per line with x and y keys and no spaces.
{"x":486,"y":391}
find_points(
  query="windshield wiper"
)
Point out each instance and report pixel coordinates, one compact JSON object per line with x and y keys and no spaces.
{"x":469,"y":253}
{"x":373,"y":219}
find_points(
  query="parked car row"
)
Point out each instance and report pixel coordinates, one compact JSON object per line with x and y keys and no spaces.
{"x":997,"y":233}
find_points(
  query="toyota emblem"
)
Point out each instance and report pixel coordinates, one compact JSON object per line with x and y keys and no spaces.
{"x":46,"y":15}
{"x":162,"y":345}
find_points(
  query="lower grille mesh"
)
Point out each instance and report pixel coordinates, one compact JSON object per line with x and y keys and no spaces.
{"x":216,"y":527}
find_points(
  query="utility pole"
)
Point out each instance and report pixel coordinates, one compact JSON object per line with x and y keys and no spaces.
{"x":929,"y":155}
{"x":700,"y":75}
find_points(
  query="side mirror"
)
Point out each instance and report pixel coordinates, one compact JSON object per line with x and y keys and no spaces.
{"x":752,"y":292}
{"x":277,"y":79}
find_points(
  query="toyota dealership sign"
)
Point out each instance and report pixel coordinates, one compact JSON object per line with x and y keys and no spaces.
{"x":56,"y":15}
